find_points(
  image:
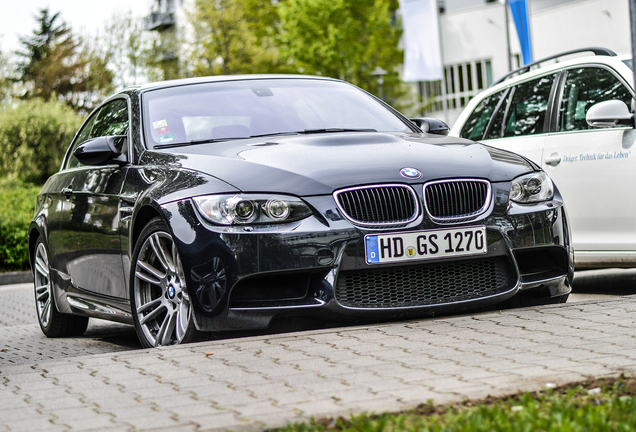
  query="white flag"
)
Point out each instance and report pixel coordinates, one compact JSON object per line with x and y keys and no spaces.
{"x":422,"y":55}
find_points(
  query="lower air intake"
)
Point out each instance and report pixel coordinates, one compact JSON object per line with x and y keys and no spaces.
{"x":427,"y":284}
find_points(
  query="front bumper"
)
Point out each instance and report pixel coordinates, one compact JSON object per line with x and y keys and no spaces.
{"x":243,"y":277}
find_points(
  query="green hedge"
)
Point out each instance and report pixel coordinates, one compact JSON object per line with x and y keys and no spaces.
{"x":17,"y":204}
{"x":34,"y":136}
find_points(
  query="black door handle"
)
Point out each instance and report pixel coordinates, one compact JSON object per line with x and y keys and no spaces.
{"x":67,"y":191}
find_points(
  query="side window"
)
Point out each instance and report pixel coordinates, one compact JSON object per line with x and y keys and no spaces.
{"x":476,"y":124}
{"x":585,"y":87}
{"x":112,"y":119}
{"x":496,"y":130}
{"x":526,"y":113}
{"x":84,"y":134}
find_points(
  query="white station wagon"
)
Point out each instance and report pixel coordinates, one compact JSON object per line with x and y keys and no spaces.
{"x":575,"y":119}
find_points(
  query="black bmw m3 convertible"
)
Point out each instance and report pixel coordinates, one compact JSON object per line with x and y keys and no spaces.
{"x":220,"y":204}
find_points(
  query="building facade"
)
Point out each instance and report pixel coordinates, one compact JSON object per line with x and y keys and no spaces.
{"x":475,"y":47}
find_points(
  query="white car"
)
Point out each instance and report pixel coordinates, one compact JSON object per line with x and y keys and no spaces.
{"x":574,"y":119}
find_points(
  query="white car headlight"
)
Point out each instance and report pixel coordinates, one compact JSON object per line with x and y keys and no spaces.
{"x":532,"y":188}
{"x":241,"y":209}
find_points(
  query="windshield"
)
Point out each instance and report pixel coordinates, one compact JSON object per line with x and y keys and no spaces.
{"x":241,"y":109}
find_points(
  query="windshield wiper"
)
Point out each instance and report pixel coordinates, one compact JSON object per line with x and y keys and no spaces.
{"x":273,"y":134}
{"x":195,"y":142}
{"x":327,"y":130}
{"x":313,"y":131}
{"x":306,"y":131}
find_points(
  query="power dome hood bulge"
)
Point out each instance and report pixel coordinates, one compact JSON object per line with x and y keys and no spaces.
{"x":320,"y":164}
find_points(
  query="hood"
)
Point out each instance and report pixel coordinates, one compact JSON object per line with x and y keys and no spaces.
{"x":320,"y":164}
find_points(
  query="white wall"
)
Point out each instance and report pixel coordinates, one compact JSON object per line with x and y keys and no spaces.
{"x":585,"y":23}
{"x":479,"y":32}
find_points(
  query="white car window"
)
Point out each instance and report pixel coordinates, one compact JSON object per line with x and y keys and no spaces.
{"x":526,"y":113}
{"x":476,"y":124}
{"x":585,"y":87}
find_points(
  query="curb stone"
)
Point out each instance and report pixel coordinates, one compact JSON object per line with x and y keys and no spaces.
{"x":16,"y":278}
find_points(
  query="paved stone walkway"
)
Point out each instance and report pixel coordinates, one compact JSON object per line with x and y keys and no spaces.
{"x":265,"y":381}
{"x":22,"y":341}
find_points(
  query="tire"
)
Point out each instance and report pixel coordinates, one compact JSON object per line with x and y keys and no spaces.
{"x":160,"y":303}
{"x":52,"y":322}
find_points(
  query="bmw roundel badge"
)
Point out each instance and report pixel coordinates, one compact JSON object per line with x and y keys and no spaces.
{"x":410,"y":173}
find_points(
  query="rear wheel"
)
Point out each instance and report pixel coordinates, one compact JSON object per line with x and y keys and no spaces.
{"x":52,"y":322}
{"x":162,"y":310}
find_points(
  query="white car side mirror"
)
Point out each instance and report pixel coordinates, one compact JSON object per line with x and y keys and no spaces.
{"x":609,"y":113}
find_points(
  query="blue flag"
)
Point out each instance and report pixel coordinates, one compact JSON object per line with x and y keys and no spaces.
{"x":519,"y":10}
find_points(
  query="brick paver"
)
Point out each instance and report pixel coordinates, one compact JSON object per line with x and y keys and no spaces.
{"x":103,"y":381}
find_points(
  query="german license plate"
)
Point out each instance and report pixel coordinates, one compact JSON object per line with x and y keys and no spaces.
{"x":422,"y":245}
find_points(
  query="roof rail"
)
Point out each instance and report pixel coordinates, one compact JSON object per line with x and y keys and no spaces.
{"x":526,"y":68}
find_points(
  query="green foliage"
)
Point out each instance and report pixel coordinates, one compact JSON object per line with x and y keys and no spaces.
{"x":128,"y":49}
{"x":136,"y":56}
{"x":162,"y":61}
{"x":345,"y":39}
{"x":5,"y":81}
{"x":57,"y":65}
{"x":595,"y":406}
{"x":33,"y":138}
{"x":234,"y":37}
{"x":17,"y":201}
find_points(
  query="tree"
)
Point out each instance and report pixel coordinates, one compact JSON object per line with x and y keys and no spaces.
{"x":128,"y":49}
{"x":235,"y":36}
{"x":5,"y":81}
{"x":136,"y":55}
{"x":57,"y":65}
{"x":164,"y":55}
{"x":345,"y":39}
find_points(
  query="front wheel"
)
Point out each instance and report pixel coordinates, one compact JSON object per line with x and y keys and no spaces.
{"x":52,"y":322}
{"x":162,"y":310}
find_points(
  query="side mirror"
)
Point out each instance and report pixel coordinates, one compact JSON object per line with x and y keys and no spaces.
{"x":609,"y":113}
{"x":431,"y":125}
{"x":102,"y":150}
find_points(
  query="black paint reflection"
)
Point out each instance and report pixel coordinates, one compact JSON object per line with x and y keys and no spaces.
{"x":92,"y":232}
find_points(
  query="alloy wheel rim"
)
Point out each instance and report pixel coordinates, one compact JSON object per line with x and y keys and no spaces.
{"x":161,"y":298}
{"x":42,"y":283}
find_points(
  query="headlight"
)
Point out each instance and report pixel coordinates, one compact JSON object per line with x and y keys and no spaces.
{"x":531,"y":188}
{"x":240,"y":209}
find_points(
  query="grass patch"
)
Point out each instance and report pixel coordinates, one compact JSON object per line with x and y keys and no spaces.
{"x":594,"y":405}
